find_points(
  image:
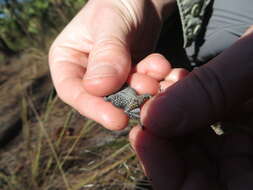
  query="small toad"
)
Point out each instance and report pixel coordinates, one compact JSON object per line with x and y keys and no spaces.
{"x":128,"y":99}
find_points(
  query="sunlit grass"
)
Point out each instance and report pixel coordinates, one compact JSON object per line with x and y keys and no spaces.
{"x":46,"y":155}
{"x":58,"y":159}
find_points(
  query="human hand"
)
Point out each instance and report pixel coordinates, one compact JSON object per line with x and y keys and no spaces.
{"x":177,"y":148}
{"x":200,"y":160}
{"x":92,"y":56}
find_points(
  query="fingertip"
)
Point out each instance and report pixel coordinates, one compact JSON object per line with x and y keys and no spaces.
{"x":155,"y":66}
{"x":143,"y":84}
{"x":112,"y":118}
{"x":176,"y":74}
{"x":165,"y":84}
{"x":115,"y":124}
{"x":97,"y":109}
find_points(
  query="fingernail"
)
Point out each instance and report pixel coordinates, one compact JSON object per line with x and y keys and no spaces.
{"x":100,"y":71}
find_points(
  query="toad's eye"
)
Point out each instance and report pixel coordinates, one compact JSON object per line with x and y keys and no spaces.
{"x":147,"y":97}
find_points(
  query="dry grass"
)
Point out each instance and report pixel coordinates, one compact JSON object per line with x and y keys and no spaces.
{"x":58,"y":149}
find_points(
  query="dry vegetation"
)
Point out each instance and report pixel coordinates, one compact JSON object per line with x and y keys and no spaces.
{"x":56,"y":149}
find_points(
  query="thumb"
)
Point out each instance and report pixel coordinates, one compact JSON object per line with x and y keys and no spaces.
{"x":109,"y":60}
{"x":108,"y":66}
{"x":206,"y":95}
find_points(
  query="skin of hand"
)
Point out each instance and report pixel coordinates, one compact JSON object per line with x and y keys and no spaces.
{"x":93,"y":55}
{"x":176,"y":146}
{"x":92,"y":58}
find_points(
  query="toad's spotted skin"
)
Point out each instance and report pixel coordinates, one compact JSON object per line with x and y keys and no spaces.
{"x":128,"y":100}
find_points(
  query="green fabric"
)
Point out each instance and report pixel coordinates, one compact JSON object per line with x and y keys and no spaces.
{"x":192,"y":13}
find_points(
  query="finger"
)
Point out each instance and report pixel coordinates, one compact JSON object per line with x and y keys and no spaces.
{"x":173,"y":76}
{"x":143,"y":84}
{"x":109,"y":61}
{"x":205,"y":95}
{"x":236,"y":166}
{"x":82,"y":35}
{"x":108,"y":67}
{"x":165,"y":84}
{"x":172,"y":166}
{"x":155,"y":66}
{"x":160,"y":161}
{"x":67,"y":69}
{"x":201,"y":173}
{"x":176,"y":74}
